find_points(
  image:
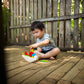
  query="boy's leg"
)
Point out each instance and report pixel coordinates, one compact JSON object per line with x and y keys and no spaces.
{"x":53,"y":52}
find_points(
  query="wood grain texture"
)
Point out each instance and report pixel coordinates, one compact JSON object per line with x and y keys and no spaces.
{"x":67,"y":68}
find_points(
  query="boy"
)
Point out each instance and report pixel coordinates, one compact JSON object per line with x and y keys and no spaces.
{"x":45,"y":45}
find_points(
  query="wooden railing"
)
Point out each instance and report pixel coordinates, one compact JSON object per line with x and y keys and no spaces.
{"x":57,"y":17}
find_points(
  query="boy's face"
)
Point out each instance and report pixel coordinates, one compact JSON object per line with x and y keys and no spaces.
{"x":38,"y":33}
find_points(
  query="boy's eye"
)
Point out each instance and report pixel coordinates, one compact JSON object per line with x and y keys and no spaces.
{"x":35,"y":32}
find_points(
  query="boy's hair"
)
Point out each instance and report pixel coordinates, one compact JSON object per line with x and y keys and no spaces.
{"x":37,"y":25}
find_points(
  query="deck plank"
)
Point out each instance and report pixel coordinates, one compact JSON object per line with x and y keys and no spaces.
{"x":79,"y":79}
{"x":43,"y":73}
{"x":61,"y":71}
{"x":33,"y":66}
{"x":64,"y":82}
{"x":74,"y":71}
{"x":19,"y":70}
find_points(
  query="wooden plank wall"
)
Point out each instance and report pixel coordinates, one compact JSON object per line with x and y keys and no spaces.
{"x":55,"y":14}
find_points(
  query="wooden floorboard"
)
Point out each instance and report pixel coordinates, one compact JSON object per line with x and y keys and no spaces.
{"x":75,"y":70}
{"x":43,"y":73}
{"x":62,"y":70}
{"x":79,"y":79}
{"x":68,"y":68}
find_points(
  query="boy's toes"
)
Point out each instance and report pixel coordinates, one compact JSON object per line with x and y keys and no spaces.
{"x":52,"y":58}
{"x":40,"y":55}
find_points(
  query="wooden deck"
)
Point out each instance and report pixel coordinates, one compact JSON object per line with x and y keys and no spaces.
{"x":68,"y":68}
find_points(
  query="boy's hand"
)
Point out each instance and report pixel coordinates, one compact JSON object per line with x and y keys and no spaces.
{"x":33,"y":46}
{"x":39,"y":49}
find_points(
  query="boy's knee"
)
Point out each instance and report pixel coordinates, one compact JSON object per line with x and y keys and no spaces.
{"x":57,"y":50}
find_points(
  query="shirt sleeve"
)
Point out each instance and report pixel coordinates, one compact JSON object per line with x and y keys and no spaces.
{"x":37,"y":40}
{"x":46,"y":36}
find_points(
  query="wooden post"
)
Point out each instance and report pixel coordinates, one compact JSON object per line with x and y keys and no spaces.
{"x":55,"y":10}
{"x":44,"y":13}
{"x":24,"y":11}
{"x":44,"y":9}
{"x":35,"y":9}
{"x":15,"y":21}
{"x":31,"y":9}
{"x":27,"y":22}
{"x":17,"y":6}
{"x":31,"y":18}
{"x":82,"y":28}
{"x":49,"y":12}
{"x":20,"y":40}
{"x":68,"y":25}
{"x":39,"y":9}
{"x":15,"y":12}
{"x":23,"y":37}
{"x":76,"y":28}
{"x":61,"y":24}
{"x":33,"y":12}
{"x":12,"y":19}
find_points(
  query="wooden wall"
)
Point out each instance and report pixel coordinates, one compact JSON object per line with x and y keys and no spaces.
{"x":57,"y":17}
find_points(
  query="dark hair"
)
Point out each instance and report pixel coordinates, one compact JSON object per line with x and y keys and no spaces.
{"x":38,"y":25}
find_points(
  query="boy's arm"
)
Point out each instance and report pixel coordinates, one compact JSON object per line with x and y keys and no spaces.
{"x":43,"y":43}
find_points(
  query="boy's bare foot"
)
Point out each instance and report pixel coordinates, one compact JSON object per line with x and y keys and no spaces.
{"x":52,"y":58}
{"x":40,"y":55}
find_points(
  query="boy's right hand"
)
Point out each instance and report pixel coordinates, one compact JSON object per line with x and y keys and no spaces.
{"x":33,"y":46}
{"x":39,"y":49}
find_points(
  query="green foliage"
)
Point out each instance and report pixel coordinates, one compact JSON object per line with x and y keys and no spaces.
{"x":58,"y":7}
{"x":72,"y":23}
{"x":79,"y":24}
{"x":6,"y":15}
{"x":79,"y":43}
{"x":46,"y":22}
{"x":72,"y":7}
{"x":81,"y":8}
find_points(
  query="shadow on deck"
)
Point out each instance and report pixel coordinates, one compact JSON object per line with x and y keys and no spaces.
{"x":68,"y":68}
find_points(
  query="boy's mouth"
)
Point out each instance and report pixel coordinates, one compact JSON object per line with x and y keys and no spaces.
{"x":38,"y":37}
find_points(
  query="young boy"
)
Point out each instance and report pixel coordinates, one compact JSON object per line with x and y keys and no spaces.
{"x":46,"y":47}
